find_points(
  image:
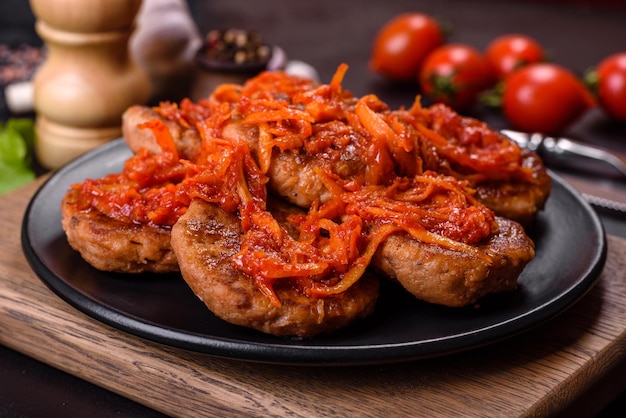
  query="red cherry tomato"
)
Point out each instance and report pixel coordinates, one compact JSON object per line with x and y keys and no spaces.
{"x":510,"y":52}
{"x":544,"y":98}
{"x":454,"y":74}
{"x":611,"y":87}
{"x":402,"y":44}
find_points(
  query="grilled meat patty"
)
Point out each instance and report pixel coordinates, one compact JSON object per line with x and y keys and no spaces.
{"x":111,"y":245}
{"x":518,"y":200}
{"x":206,"y":238}
{"x":187,"y":139}
{"x":455,"y":278}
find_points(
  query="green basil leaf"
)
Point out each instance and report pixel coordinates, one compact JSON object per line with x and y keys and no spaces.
{"x":26,"y":128}
{"x":12,"y":177}
{"x":17,"y":139}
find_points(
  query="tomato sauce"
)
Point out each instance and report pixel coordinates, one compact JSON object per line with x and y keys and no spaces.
{"x":387,"y":188}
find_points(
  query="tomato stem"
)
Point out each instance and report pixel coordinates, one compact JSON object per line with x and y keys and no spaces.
{"x":493,"y":96}
{"x":591,"y":81}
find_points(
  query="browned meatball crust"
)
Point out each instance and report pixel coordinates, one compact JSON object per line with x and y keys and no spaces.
{"x":112,"y":245}
{"x":206,"y":238}
{"x":455,"y":278}
{"x":519,"y":201}
{"x":187,"y":140}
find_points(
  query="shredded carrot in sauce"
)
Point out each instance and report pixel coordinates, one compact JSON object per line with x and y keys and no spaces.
{"x":369,"y":158}
{"x":470,"y":145}
{"x":145,"y":192}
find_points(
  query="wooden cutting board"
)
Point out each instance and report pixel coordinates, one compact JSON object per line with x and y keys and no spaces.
{"x":537,"y":373}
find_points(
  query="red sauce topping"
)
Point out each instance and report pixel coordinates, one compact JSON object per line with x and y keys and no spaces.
{"x":385,"y":188}
{"x":146,"y":192}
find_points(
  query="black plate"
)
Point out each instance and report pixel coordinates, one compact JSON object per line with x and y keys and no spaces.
{"x":571,"y":251}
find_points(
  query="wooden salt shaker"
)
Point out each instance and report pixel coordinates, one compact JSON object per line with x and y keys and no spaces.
{"x":88,"y":79}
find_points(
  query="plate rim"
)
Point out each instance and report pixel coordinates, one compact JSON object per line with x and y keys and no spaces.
{"x":327,"y":355}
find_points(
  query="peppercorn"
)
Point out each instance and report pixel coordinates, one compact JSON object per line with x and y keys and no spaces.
{"x":236,"y":46}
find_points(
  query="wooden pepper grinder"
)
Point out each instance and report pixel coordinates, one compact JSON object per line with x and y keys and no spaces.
{"x":89,"y":77}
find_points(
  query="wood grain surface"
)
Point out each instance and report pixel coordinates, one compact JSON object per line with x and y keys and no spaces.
{"x":537,"y":373}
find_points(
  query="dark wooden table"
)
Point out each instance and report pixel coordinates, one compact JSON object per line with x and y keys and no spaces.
{"x":575,"y":360}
